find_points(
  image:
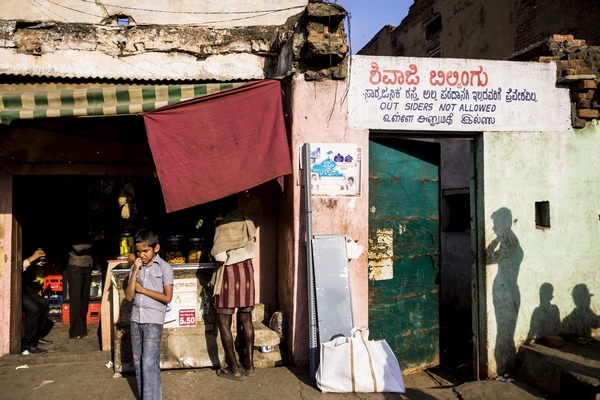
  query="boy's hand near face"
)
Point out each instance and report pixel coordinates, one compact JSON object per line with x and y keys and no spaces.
{"x":132,"y":287}
{"x":137,"y":263}
{"x":131,"y":258}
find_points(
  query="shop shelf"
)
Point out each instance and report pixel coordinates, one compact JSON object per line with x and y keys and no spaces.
{"x":93,"y":314}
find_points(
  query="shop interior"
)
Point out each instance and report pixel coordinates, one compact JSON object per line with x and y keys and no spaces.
{"x":99,"y":170}
{"x":51,"y":207}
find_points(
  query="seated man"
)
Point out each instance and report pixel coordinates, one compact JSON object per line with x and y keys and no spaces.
{"x":35,"y":308}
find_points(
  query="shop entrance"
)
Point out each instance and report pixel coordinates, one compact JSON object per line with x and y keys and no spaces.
{"x":62,"y":167}
{"x":420,"y":250}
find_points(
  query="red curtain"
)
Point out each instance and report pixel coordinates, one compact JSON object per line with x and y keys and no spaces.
{"x":211,"y":147}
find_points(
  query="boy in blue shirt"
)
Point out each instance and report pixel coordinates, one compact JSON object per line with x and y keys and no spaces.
{"x":151,"y":289}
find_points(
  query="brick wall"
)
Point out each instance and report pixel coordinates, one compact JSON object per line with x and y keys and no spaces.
{"x":578,"y":65}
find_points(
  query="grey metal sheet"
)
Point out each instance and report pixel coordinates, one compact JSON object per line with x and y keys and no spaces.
{"x":332,"y":286}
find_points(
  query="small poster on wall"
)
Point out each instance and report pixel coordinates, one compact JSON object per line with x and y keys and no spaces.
{"x":335,"y":169}
{"x":182,"y":310}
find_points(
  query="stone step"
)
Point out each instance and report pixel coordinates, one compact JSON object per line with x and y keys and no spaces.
{"x":270,"y":359}
{"x":569,"y":372}
{"x":261,"y":313}
{"x":265,"y":336}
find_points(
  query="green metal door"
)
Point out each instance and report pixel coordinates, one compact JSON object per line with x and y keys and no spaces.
{"x":404,"y":249}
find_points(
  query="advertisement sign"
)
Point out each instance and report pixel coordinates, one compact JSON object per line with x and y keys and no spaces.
{"x":182,"y":311}
{"x":335,"y":169}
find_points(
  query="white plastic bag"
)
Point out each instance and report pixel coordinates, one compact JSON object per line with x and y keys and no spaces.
{"x":356,"y":364}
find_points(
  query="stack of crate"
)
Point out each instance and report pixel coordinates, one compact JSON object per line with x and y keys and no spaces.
{"x":93,"y":312}
{"x":53,"y":290}
{"x":55,"y":302}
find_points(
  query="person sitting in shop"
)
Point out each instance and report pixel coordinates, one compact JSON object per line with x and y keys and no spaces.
{"x":150,"y":287}
{"x":233,"y":283}
{"x":35,"y":307}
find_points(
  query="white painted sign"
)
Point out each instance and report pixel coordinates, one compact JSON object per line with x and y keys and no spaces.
{"x":444,"y":94}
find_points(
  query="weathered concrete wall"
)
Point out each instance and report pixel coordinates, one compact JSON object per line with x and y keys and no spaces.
{"x":142,"y":52}
{"x":216,"y":13}
{"x":319,"y":115}
{"x":532,"y":274}
{"x":312,"y":40}
{"x":258,"y":203}
{"x":6,"y":217}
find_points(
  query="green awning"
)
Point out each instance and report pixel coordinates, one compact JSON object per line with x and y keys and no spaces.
{"x":48,"y":100}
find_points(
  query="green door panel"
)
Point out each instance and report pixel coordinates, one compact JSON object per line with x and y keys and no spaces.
{"x":404,"y":249}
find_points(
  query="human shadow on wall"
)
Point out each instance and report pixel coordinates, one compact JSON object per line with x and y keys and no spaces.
{"x":505,"y":251}
{"x":582,"y":319}
{"x":545,"y":319}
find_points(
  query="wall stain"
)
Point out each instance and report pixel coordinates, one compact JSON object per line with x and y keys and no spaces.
{"x":329,"y":203}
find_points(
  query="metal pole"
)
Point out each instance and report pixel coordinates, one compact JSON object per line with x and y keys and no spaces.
{"x":312,"y":307}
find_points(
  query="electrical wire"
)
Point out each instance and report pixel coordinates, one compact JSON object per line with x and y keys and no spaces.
{"x":74,"y":9}
{"x":32,"y":2}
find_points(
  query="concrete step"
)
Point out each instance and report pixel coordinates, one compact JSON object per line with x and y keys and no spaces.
{"x":261,"y":313}
{"x":269,"y":359}
{"x":568,"y":372}
{"x":101,"y":357}
{"x":265,"y":336}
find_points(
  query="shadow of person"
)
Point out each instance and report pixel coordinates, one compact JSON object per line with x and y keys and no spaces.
{"x":505,"y":251}
{"x":582,"y":319}
{"x":545,"y":319}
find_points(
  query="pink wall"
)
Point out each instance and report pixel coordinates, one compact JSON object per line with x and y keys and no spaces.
{"x":5,"y":259}
{"x":318,"y":112}
{"x":259,"y":204}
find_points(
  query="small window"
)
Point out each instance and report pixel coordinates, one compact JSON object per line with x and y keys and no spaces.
{"x":433,"y":27}
{"x":542,"y":214}
{"x":456,"y":211}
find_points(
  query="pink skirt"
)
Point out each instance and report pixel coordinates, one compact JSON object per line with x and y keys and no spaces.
{"x":237,"y":289}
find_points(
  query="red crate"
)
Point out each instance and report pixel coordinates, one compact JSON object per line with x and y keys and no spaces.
{"x":53,"y":283}
{"x":93,"y":314}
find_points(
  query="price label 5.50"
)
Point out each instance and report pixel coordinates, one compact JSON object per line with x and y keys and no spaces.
{"x":187,"y":317}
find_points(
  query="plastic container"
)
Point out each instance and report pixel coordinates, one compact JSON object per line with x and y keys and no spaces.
{"x":126,"y":243}
{"x":197,"y":251}
{"x":53,"y":283}
{"x":93,"y":314}
{"x":55,"y":317}
{"x":55,"y":300}
{"x":174,"y":250}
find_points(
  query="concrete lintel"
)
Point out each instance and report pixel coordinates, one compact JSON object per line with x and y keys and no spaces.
{"x":149,"y":66}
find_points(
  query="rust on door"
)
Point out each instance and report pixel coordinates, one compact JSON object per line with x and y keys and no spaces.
{"x":404,"y":249}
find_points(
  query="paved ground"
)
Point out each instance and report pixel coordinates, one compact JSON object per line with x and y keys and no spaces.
{"x":75,"y":369}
